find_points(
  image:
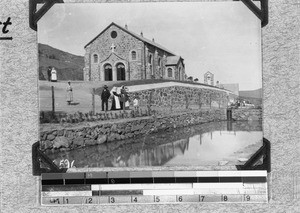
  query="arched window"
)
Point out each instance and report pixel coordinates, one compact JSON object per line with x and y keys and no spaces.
{"x":133,"y":55}
{"x":151,"y":63}
{"x":170,"y":72}
{"x":95,"y":56}
{"x":159,"y":62}
{"x":108,"y":72}
{"x":120,"y":72}
{"x":150,"y":59}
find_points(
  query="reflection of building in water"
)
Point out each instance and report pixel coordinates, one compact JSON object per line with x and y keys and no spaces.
{"x":157,"y":156}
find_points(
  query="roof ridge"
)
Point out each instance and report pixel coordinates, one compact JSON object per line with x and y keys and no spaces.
{"x":133,"y":34}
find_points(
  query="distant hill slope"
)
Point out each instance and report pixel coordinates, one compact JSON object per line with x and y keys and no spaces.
{"x":67,"y":65}
{"x":251,"y":93}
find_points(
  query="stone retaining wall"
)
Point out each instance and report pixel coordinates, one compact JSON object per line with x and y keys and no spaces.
{"x":246,"y":114}
{"x":181,"y":98}
{"x":72,"y":138}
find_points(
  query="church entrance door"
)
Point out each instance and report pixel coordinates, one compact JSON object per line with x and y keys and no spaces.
{"x":120,"y":72}
{"x":108,"y":72}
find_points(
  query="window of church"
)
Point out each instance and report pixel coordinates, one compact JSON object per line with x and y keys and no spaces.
{"x":170,"y":72}
{"x":133,"y":55}
{"x":113,"y":34}
{"x":95,"y":56}
{"x":150,"y":59}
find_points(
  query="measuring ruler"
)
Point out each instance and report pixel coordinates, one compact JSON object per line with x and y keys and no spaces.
{"x":153,"y":187}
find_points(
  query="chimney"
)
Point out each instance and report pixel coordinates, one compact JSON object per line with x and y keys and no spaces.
{"x":126,"y":27}
{"x":153,"y":39}
{"x":142,"y":34}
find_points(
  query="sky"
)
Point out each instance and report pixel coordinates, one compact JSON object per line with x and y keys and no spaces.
{"x":221,"y":37}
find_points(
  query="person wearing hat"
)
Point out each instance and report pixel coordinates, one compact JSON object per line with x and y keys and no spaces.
{"x":49,"y":73}
{"x":69,"y":93}
{"x":124,"y":98}
{"x":104,"y":97}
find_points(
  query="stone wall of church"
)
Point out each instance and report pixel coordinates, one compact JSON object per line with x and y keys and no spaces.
{"x":158,"y":72}
{"x":87,"y":61}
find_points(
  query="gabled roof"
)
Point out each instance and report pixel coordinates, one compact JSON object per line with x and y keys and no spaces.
{"x":208,"y":73}
{"x":111,"y":55}
{"x":141,"y":38}
{"x":173,"y":60}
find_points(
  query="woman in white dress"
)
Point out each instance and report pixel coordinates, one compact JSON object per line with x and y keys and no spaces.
{"x":115,"y":99}
{"x":69,"y":93}
{"x":53,"y":75}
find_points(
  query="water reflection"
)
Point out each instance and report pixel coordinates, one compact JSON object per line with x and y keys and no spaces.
{"x":206,"y":144}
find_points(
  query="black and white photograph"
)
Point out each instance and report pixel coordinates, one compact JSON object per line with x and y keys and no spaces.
{"x":162,"y":84}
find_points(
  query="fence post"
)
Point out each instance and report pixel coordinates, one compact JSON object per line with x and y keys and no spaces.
{"x":53,"y":101}
{"x":93,"y":101}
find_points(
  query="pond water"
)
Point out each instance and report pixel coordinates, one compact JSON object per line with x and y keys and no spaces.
{"x":216,"y":143}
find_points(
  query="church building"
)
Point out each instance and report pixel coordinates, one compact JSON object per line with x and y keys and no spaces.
{"x":209,"y":78}
{"x":117,"y":54}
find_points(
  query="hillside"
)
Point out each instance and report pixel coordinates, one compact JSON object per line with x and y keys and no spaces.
{"x":253,"y":96}
{"x":67,"y":65}
{"x":251,"y":93}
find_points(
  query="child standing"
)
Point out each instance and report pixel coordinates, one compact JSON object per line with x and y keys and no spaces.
{"x":136,"y":103}
{"x":69,"y":93}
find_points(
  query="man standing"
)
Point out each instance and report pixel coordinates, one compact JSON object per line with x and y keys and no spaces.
{"x":49,"y":73}
{"x":104,"y":98}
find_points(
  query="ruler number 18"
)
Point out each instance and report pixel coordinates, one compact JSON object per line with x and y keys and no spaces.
{"x":224,"y":198}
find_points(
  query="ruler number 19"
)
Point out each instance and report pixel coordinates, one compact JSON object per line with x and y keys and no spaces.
{"x":247,"y":197}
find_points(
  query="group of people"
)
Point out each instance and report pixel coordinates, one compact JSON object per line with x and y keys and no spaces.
{"x":120,"y":99}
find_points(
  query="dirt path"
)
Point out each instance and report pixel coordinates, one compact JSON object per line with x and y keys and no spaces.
{"x":82,"y":95}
